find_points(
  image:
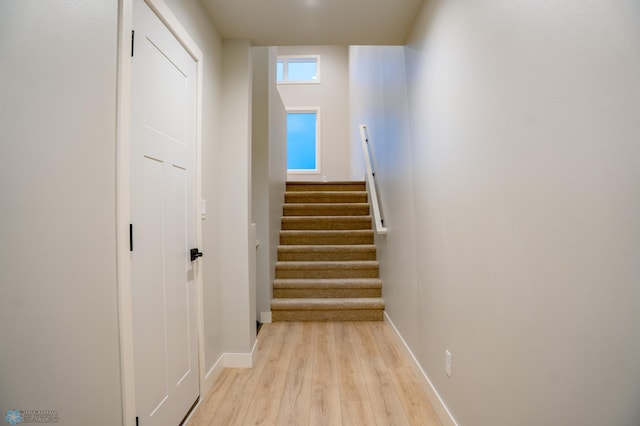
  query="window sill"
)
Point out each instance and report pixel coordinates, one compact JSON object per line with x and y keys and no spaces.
{"x":286,"y":83}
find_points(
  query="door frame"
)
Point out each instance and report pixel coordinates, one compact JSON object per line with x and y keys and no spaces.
{"x":123,"y":187}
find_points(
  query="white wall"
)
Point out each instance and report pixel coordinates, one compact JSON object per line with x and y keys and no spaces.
{"x":269,"y":169}
{"x":520,"y":168}
{"x":260,"y":173}
{"x":332,"y":96}
{"x":58,"y":299}
{"x":238,"y":310}
{"x":195,"y":20}
{"x":379,"y":100}
{"x":277,"y":170}
{"x":58,"y":254}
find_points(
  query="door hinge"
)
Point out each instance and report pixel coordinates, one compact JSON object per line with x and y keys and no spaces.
{"x":133,"y":36}
{"x":131,"y":237}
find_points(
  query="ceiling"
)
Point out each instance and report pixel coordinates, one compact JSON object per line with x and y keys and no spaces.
{"x":314,"y":22}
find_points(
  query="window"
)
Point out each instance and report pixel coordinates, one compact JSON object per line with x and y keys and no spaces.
{"x":302,"y":141}
{"x":298,"y":69}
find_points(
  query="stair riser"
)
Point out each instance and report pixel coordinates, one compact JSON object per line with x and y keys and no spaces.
{"x":327,"y":273}
{"x":293,"y":240}
{"x":319,"y":197}
{"x":347,"y":315}
{"x":324,"y":210}
{"x":359,"y":186}
{"x":326,"y":293}
{"x":319,"y":224}
{"x":325,"y":257}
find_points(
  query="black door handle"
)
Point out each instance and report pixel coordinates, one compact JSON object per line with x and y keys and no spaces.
{"x":195,"y":254}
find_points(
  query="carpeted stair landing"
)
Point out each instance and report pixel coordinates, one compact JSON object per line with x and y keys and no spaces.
{"x":327,"y":268}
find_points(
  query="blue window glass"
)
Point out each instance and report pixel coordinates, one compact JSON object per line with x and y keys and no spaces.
{"x":279,"y":71}
{"x":302,"y":70}
{"x":301,"y":140}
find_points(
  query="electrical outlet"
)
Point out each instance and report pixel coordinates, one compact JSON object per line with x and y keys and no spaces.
{"x":447,"y":362}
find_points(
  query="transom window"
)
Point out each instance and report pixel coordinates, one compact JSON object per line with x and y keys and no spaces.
{"x":298,"y":69}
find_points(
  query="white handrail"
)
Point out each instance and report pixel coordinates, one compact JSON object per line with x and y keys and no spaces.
{"x":371,"y":182}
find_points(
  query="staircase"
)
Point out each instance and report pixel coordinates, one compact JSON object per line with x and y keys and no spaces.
{"x":327,"y":268}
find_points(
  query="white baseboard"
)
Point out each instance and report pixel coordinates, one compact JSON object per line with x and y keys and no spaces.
{"x":436,"y":401}
{"x":237,"y":360}
{"x":265,"y":317}
{"x":240,"y":360}
{"x":254,"y":352}
{"x":227,"y":360}
{"x":212,"y":375}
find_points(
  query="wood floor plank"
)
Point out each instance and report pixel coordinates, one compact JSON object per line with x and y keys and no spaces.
{"x":325,"y":370}
{"x":385,"y":342}
{"x":276,"y":347}
{"x":274,"y":374}
{"x":271,"y":381}
{"x":342,"y":373}
{"x":205,"y":412}
{"x":413,"y":398}
{"x":387,"y":408}
{"x":304,"y":346}
{"x":248,"y":383}
{"x":231,"y":412}
{"x":351,"y":377}
{"x":233,"y":408}
{"x":296,"y":397}
{"x":325,"y":407}
{"x":262,"y":412}
{"x":267,"y":339}
{"x":357,"y":413}
{"x":269,"y":352}
{"x":364,"y":344}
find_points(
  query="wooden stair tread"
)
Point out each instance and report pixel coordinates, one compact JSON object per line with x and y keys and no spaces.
{"x":327,"y":304}
{"x":361,"y":218}
{"x":339,"y":193}
{"x":327,"y":237}
{"x":317,"y":197}
{"x":326,"y":218}
{"x":291,"y":223}
{"x":333,"y":182}
{"x":327,"y":252}
{"x":344,"y":264}
{"x":326,"y":186}
{"x":327,"y":247}
{"x":329,"y":205}
{"x":325,"y":209}
{"x":326,"y":232}
{"x":335,"y":315}
{"x":327,"y":283}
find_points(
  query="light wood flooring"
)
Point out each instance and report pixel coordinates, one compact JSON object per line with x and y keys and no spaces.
{"x":320,"y":373}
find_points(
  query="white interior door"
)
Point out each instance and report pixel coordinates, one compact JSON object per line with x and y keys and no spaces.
{"x":163,"y":217}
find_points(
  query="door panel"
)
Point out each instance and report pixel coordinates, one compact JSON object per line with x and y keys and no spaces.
{"x":178,"y":267}
{"x":163,"y":217}
{"x":147,"y":278}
